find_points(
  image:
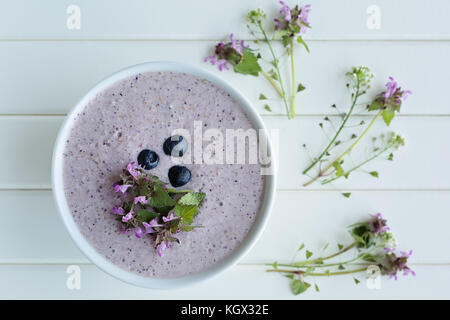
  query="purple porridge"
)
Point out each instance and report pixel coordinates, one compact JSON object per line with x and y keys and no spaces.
{"x":138,"y":113}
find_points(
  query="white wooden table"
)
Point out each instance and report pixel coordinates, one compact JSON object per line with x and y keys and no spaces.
{"x":45,"y":67}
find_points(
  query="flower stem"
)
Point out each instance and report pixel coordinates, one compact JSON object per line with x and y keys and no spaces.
{"x":321,"y":274}
{"x":361,"y":164}
{"x":273,"y":83}
{"x":347,"y":116}
{"x":275,"y":63}
{"x":294,"y":93}
{"x":347,"y":151}
{"x":319,"y":260}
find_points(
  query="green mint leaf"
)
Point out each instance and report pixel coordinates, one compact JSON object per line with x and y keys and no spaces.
{"x":187,"y":213}
{"x":308,"y":254}
{"x":248,"y":64}
{"x":298,"y":286}
{"x":301,"y":247}
{"x":388,"y":115}
{"x":286,"y":40}
{"x":146,"y":216}
{"x":160,"y":198}
{"x":262,"y":97}
{"x":300,"y":87}
{"x":347,"y":194}
{"x":192,"y":199}
{"x":374,"y":174}
{"x":356,"y":280}
{"x":267,"y":108}
{"x":301,"y":41}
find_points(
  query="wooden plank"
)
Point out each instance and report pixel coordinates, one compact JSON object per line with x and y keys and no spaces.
{"x":50,"y":77}
{"x":297,"y":217}
{"x":27,"y":150}
{"x":178,"y":19}
{"x":241,"y":282}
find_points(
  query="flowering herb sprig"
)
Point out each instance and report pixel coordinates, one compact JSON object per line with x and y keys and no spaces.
{"x":151,"y":208}
{"x":374,"y":247}
{"x":291,"y":25}
{"x":386,"y":104}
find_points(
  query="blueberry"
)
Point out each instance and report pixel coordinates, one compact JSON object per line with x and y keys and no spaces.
{"x":179,"y":176}
{"x":148,"y":159}
{"x":175,"y":146}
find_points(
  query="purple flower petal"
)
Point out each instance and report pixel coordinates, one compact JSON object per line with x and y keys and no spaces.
{"x":121,"y":187}
{"x":140,"y":199}
{"x":170,"y":217}
{"x":128,"y":216}
{"x":286,"y":11}
{"x":118,"y":211}
{"x":133,"y":169}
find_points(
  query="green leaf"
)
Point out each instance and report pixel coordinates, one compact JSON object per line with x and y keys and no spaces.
{"x":189,"y":228}
{"x":267,"y":108}
{"x":300,"y":87}
{"x":301,"y":247}
{"x":146,"y":216}
{"x":280,"y":34}
{"x":192,"y":199}
{"x":374,"y":174}
{"x":301,"y":41}
{"x":377,"y":104}
{"x":347,"y":194}
{"x":248,"y":64}
{"x":308,"y":254}
{"x":341,"y":267}
{"x":356,"y":280}
{"x":160,"y":198}
{"x":388,"y":115}
{"x":339,"y":169}
{"x":391,"y":157}
{"x":340,"y":246}
{"x":298,"y":286}
{"x":262,"y":97}
{"x":316,"y":287}
{"x":187,"y":213}
{"x":275,"y":265}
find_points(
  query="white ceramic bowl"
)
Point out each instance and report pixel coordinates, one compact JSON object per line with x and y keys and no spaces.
{"x":85,"y":246}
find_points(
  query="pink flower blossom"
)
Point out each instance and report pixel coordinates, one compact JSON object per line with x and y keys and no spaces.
{"x":227,"y":53}
{"x":128,"y":216}
{"x":118,"y":210}
{"x":148,"y":228}
{"x":170,"y":217}
{"x":285,"y":11}
{"x":140,"y":199}
{"x":303,"y":18}
{"x":394,"y":93}
{"x":154,"y":223}
{"x":138,"y":233}
{"x":163,"y":246}
{"x":133,"y":169}
{"x":121,"y":187}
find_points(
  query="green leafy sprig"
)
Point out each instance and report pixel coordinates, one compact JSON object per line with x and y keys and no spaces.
{"x":386,"y":104}
{"x":149,"y":207}
{"x":373,"y":246}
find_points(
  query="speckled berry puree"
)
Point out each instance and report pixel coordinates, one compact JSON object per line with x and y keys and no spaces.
{"x":141,"y":112}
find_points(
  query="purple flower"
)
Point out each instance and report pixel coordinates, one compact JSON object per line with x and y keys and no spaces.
{"x":154,"y":223}
{"x":128,"y":216}
{"x":227,"y":53}
{"x":133,"y":169}
{"x":293,"y":20}
{"x":285,"y":11}
{"x":148,"y":228}
{"x":138,"y":233}
{"x":140,"y":199}
{"x":170,"y":217}
{"x":394,"y":263}
{"x":394,"y":94}
{"x":163,"y":246}
{"x":378,"y":224}
{"x":118,"y":210}
{"x":121,"y":187}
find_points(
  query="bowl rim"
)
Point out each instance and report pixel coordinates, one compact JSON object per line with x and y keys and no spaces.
{"x":82,"y":243}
